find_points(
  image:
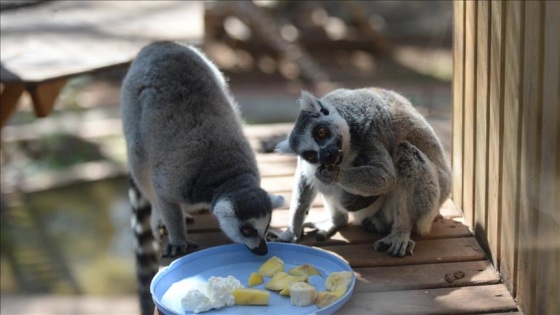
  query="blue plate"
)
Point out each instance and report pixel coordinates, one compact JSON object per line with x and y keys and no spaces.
{"x":171,"y":283}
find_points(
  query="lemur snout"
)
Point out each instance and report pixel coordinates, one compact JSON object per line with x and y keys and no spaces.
{"x":261,"y":249}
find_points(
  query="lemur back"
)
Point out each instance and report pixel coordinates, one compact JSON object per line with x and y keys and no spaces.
{"x":186,"y":149}
{"x":368,"y":152}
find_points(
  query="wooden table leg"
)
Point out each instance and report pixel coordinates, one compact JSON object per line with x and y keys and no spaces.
{"x":44,"y":94}
{"x":9,"y":100}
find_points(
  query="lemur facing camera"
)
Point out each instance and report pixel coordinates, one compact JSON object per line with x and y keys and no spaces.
{"x":367,"y":151}
{"x":187,"y":150}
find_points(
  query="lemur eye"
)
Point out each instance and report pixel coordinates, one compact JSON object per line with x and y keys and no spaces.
{"x":321,"y":132}
{"x":310,"y":156}
{"x":248,"y":231}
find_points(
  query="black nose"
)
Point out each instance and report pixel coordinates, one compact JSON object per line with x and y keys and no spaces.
{"x":260,"y":250}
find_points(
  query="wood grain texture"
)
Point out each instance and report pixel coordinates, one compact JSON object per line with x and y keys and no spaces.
{"x":469,"y":112}
{"x":483,"y":63}
{"x":425,"y":252}
{"x":458,"y":101}
{"x":530,"y":153}
{"x":548,"y":242}
{"x":513,"y":67}
{"x":414,"y":277}
{"x":465,"y":300}
{"x":495,"y":129}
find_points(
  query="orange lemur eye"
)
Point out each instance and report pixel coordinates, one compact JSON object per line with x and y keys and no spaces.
{"x":248,"y":231}
{"x":321,"y":132}
{"x":310,"y":156}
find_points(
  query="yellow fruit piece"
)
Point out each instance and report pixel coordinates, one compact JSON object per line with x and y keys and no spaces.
{"x":325,"y":299}
{"x":338,"y":280}
{"x":248,"y":296}
{"x":302,"y":294}
{"x":303,"y":269}
{"x":271,"y":266}
{"x":255,"y":279}
{"x":285,"y":292}
{"x":282,"y":280}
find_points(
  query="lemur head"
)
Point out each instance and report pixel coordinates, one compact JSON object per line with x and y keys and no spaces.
{"x":245,"y":217}
{"x":320,"y":134}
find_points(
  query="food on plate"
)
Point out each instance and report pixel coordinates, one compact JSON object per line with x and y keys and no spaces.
{"x":338,"y":280}
{"x":302,"y":294}
{"x":196,"y":301}
{"x":271,"y":266}
{"x":285,"y":292}
{"x":303,"y":269}
{"x":282,"y":280}
{"x":248,"y":296}
{"x":215,"y":293}
{"x":255,"y":279}
{"x":337,"y":284}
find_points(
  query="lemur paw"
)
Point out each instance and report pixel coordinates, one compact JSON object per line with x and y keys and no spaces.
{"x":328,"y":176}
{"x":397,"y":244}
{"x":174,"y":251}
{"x":324,"y":229}
{"x":374,"y":225}
{"x":284,"y":237}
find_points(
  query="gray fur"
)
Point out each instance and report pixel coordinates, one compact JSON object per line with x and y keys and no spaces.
{"x":186,"y":148}
{"x":380,"y":160}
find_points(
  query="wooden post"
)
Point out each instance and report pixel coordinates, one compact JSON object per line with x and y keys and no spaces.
{"x":44,"y":95}
{"x":9,"y":100}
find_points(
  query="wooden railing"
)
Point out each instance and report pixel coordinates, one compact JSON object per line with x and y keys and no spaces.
{"x":506,"y":140}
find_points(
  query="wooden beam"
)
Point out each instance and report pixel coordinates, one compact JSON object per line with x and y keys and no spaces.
{"x":458,"y":101}
{"x":495,"y":128}
{"x":44,"y":95}
{"x":469,"y":112}
{"x":483,"y":63}
{"x":9,"y":99}
{"x":513,"y":67}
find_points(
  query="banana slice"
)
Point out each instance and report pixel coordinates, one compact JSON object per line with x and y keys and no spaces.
{"x":302,"y":294}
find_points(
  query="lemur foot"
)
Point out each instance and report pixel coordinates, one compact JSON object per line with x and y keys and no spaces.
{"x":374,"y":225}
{"x":174,"y":251}
{"x":396,"y":244}
{"x":324,"y":229}
{"x":284,"y":237}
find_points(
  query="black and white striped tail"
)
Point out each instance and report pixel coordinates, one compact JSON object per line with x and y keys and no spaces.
{"x":146,"y":248}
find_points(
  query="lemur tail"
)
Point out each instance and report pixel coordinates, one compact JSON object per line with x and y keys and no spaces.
{"x":146,"y":249}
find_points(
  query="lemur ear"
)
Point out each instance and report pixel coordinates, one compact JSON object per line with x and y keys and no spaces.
{"x":276,"y":200}
{"x":284,"y":147}
{"x":308,"y":102}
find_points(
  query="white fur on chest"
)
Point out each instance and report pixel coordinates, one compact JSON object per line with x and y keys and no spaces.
{"x":309,"y":173}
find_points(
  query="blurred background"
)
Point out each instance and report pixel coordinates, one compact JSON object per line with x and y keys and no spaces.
{"x":65,"y":217}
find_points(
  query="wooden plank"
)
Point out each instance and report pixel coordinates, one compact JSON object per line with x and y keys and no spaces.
{"x":465,"y":300}
{"x":415,"y":277}
{"x":441,"y":228}
{"x":483,"y":63}
{"x":495,"y":131}
{"x":425,"y":252}
{"x":469,"y":112}
{"x":458,"y":100}
{"x":530,"y":153}
{"x":89,"y":35}
{"x":548,"y":244}
{"x":513,"y":75}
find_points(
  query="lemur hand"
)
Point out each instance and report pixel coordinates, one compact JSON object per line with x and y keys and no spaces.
{"x":328,"y":175}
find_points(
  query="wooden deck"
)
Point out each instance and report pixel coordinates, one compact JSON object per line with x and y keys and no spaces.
{"x":386,"y":285}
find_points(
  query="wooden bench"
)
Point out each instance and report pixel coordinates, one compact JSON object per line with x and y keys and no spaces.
{"x":44,"y":46}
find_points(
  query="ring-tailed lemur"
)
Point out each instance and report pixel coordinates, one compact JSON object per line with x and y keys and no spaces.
{"x":367,"y":151}
{"x":186,"y":148}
